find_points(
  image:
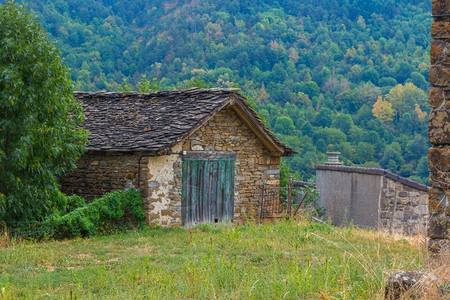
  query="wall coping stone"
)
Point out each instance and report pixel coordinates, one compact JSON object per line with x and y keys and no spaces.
{"x":374,"y":171}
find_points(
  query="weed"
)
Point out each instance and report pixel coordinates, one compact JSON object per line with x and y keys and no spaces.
{"x":287,"y":260}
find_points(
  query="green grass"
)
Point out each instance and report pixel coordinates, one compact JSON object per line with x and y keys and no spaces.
{"x":272,"y":261}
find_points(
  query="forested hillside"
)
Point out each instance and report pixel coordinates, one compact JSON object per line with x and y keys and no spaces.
{"x":346,"y":75}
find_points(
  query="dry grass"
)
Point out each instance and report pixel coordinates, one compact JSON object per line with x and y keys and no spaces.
{"x":290,"y":260}
{"x":436,"y":283}
{"x":5,"y":239}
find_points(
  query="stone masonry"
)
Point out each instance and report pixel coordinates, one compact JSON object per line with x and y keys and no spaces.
{"x":225,"y":132}
{"x":99,"y":172}
{"x":403,"y":209}
{"x":439,"y":127}
{"x":143,"y":137}
{"x":372,"y":198}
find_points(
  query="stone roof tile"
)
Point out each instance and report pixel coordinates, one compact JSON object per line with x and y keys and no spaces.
{"x":131,"y":121}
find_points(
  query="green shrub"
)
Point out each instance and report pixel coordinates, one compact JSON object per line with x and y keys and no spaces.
{"x":109,"y":213}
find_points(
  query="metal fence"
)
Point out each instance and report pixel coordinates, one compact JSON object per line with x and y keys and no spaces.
{"x":278,"y":202}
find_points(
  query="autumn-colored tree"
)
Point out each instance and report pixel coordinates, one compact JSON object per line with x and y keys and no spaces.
{"x":404,"y":97}
{"x":383,"y":110}
{"x":420,"y":114}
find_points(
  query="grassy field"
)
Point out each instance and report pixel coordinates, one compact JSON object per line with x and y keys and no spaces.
{"x":286,"y":260}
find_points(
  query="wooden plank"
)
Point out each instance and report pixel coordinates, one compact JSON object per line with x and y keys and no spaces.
{"x":231,"y":203}
{"x":213,"y":189}
{"x":199,"y":187}
{"x":184,"y":190}
{"x":205,"y":192}
{"x":196,"y":155}
{"x":194,"y":184}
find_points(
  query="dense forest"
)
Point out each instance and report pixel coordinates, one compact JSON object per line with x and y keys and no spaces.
{"x":344,"y":75}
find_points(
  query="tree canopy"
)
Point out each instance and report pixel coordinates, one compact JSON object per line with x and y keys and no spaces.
{"x":39,"y":137}
{"x":316,"y":62}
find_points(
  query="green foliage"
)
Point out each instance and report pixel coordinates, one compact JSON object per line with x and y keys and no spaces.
{"x":143,"y":86}
{"x":285,"y":260}
{"x":101,"y":215}
{"x":197,"y":82}
{"x":284,"y":125}
{"x":318,"y":69}
{"x":39,"y":134}
{"x":343,"y":122}
{"x":124,"y":86}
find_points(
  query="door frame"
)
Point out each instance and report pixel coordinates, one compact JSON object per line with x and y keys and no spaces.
{"x":209,"y":157}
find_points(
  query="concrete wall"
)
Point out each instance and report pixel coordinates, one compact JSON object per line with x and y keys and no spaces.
{"x":372,"y":198}
{"x":349,"y":197}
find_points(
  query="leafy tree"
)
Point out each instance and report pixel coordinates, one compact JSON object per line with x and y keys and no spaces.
{"x":307,"y":129}
{"x":324,"y":117}
{"x":392,"y":160}
{"x":364,"y":152}
{"x":422,"y":167}
{"x":39,"y":137}
{"x":343,"y":122}
{"x":284,"y":125}
{"x":383,"y":110}
{"x":331,"y":136}
{"x":404,"y":97}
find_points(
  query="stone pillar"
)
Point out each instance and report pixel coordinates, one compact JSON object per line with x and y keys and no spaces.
{"x":439,"y":127}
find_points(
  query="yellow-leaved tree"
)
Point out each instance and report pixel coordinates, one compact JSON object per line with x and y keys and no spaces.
{"x":383,"y":110}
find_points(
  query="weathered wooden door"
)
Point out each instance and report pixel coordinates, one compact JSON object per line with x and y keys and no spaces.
{"x":208,"y":188}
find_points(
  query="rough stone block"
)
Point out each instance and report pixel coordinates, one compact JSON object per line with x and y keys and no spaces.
{"x":439,"y":165}
{"x":153,"y":184}
{"x":436,"y":199}
{"x":439,"y":76}
{"x":440,"y":30}
{"x":272,"y":172}
{"x":440,"y":52}
{"x":400,"y":282}
{"x":437,"y":245}
{"x":440,"y":7}
{"x":439,"y":127}
{"x":439,"y":228}
{"x":437,"y":97}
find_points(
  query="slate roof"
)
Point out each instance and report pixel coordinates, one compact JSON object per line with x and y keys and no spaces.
{"x":154,"y":122}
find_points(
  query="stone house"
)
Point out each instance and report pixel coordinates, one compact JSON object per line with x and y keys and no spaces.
{"x":371,"y":198}
{"x":198,"y":155}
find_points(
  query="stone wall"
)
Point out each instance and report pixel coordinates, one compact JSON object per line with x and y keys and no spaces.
{"x":225,"y":132}
{"x":161,"y":176}
{"x":100,"y":172}
{"x":163,"y":201}
{"x":403,"y":209}
{"x":439,"y":127}
{"x":372,"y":198}
{"x":228,"y":132}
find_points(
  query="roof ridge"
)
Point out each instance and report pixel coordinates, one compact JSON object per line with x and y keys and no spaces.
{"x":176,"y":91}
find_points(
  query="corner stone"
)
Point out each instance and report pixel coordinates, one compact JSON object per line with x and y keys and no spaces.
{"x":440,"y":7}
{"x":440,"y":30}
{"x":439,"y":228}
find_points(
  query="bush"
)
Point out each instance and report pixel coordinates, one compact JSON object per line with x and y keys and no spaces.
{"x":109,"y":213}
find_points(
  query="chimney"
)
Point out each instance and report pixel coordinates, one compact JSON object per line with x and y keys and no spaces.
{"x":333,"y":158}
